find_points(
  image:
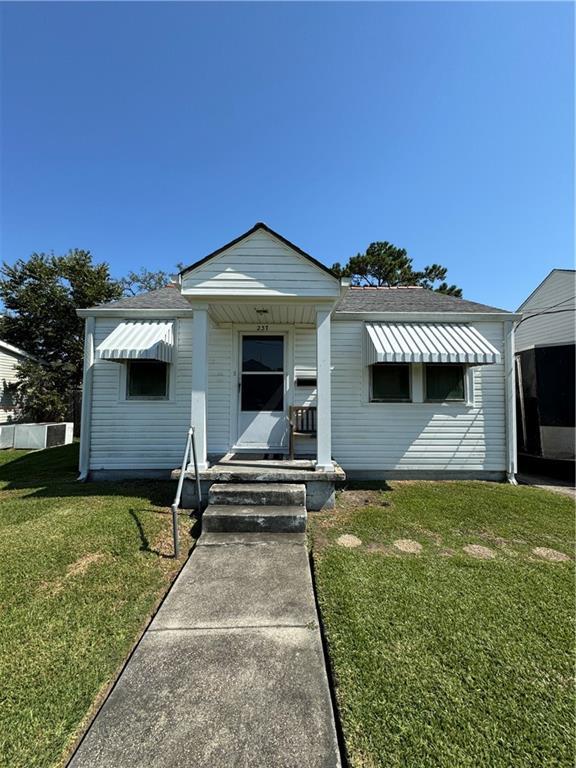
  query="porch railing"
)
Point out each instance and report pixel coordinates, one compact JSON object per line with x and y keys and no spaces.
{"x":190,"y":446}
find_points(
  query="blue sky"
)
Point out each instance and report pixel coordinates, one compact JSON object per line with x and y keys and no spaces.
{"x":153,"y":133}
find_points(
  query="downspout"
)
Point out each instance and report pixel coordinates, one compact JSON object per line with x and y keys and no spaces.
{"x":510,"y":409}
{"x":86,"y":413}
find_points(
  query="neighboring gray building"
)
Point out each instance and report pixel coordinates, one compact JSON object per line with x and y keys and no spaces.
{"x":545,"y":339}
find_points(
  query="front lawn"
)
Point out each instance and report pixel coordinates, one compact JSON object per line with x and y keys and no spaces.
{"x":81,"y":569}
{"x":446,"y":656}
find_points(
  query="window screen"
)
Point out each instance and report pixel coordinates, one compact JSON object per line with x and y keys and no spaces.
{"x":390,"y":382}
{"x":147,"y":380}
{"x":444,"y":382}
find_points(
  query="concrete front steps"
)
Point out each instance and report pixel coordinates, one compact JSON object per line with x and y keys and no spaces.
{"x":255,"y":508}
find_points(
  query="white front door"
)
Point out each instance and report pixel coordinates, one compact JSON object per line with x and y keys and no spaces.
{"x":262,"y":421}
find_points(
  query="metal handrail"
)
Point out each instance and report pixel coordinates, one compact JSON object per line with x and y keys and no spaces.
{"x":190,"y":444}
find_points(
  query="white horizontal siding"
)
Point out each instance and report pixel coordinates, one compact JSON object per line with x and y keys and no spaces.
{"x":221,"y":370}
{"x":414,"y":436}
{"x":8,"y":375}
{"x":137,"y":434}
{"x":260,"y":266}
{"x":559,"y":288}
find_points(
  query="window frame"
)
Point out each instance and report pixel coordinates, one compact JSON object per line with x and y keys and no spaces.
{"x":373,"y":400}
{"x":465,"y":393}
{"x":145,"y":398}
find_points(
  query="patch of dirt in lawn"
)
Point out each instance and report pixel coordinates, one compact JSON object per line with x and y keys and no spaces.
{"x":82,"y":564}
{"x":553,"y":555}
{"x":77,"y":568}
{"x":409,"y":546}
{"x":432,"y":535}
{"x":381,"y":549}
{"x":358,"y":498}
{"x":348,"y":540}
{"x":477,"y":550}
{"x":447,"y":552}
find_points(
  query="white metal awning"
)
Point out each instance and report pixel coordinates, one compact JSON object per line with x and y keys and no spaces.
{"x":427,"y":343}
{"x":139,"y":341}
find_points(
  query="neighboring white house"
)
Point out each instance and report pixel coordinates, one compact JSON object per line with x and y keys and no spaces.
{"x":10,"y":359}
{"x":545,"y":339}
{"x":406,"y":382}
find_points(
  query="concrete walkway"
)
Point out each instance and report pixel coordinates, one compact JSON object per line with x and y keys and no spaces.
{"x":230,"y":672}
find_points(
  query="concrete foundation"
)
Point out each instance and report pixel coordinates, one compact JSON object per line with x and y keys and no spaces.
{"x":423,"y":474}
{"x":320,"y":485}
{"x":319,"y":495}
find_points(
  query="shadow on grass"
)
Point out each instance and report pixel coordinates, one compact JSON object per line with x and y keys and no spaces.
{"x":145,"y":542}
{"x":53,"y":473}
{"x":364,"y":485}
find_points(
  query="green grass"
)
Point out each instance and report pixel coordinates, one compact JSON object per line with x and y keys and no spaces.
{"x":442,"y":659}
{"x":82,"y":566}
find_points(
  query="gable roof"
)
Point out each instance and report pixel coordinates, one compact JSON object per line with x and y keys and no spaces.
{"x":548,"y":276}
{"x":265,"y":228}
{"x":406,"y":299}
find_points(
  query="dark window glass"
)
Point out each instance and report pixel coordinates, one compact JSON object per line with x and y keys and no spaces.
{"x":390,"y":382}
{"x":147,"y":379}
{"x":262,"y":353}
{"x":444,"y":382}
{"x":263,"y":392}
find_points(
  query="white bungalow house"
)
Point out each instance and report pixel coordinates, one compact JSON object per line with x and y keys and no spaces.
{"x":397,"y":382}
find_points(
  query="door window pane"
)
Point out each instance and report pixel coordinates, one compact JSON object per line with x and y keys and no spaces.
{"x":262,"y":353}
{"x":390,"y":382}
{"x":147,"y":379}
{"x":263,"y":392}
{"x":444,"y":382}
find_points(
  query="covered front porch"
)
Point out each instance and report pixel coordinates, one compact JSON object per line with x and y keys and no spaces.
{"x":260,"y":346}
{"x":261,"y":385}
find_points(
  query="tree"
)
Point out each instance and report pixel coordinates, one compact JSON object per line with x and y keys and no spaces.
{"x":145,"y":280}
{"x":41,"y":296}
{"x":385,"y":265}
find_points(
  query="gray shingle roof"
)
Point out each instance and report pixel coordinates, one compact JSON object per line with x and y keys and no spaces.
{"x":406,"y":299}
{"x":168,"y":297}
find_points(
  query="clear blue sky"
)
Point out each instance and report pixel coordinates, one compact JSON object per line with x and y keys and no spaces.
{"x":154,"y":133}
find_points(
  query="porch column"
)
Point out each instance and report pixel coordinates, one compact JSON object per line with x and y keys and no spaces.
{"x":324,"y":396}
{"x":200,"y":383}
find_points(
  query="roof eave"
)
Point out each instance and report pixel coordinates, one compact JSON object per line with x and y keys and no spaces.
{"x":424,"y":315}
{"x":133,"y":312}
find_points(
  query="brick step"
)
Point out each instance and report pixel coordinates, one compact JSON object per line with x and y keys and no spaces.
{"x":227,"y":518}
{"x":258,"y":494}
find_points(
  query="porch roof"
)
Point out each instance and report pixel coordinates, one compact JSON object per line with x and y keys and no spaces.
{"x":138,"y":341}
{"x":427,"y":343}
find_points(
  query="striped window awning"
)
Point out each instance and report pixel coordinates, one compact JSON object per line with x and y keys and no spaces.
{"x":427,"y":343}
{"x":138,"y":341}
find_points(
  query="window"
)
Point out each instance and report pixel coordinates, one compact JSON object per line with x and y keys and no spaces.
{"x":390,"y":383}
{"x":262,"y":373}
{"x":444,"y":382}
{"x":147,"y":380}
